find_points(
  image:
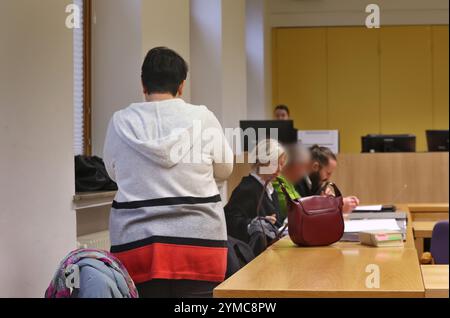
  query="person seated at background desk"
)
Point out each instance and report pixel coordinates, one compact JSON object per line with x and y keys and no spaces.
{"x":282,"y":112}
{"x":296,"y":169}
{"x":323,"y":164}
{"x":241,"y":210}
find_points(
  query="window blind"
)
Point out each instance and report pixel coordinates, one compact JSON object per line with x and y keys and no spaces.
{"x":78,"y":91}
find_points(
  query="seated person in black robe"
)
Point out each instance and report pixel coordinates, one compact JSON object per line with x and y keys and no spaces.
{"x":241,"y":210}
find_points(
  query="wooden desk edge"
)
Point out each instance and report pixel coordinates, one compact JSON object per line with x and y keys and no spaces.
{"x":265,"y":294}
{"x":428,"y":208}
{"x":421,"y":231}
{"x":221,"y":292}
{"x":434,"y":292}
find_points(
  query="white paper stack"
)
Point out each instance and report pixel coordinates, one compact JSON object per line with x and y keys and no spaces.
{"x":357,"y":226}
{"x":354,"y":227}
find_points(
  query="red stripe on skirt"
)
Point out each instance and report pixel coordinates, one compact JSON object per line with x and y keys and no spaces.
{"x":175,"y":262}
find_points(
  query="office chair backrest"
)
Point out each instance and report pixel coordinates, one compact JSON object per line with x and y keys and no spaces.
{"x":440,"y":243}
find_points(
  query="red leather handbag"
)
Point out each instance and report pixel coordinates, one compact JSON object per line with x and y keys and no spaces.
{"x":315,"y":221}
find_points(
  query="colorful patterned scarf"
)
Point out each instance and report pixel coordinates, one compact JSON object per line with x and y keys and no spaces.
{"x":58,"y":287}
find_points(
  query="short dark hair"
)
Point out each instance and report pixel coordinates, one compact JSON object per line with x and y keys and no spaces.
{"x":322,"y":155}
{"x":283,"y":107}
{"x":163,"y":71}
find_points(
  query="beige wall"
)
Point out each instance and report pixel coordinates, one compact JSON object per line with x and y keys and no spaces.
{"x":123,"y":32}
{"x":166,"y":23}
{"x":234,"y":63}
{"x":258,"y":56}
{"x":116,"y":62}
{"x":218,"y":58}
{"x":37,"y":224}
{"x":206,"y":50}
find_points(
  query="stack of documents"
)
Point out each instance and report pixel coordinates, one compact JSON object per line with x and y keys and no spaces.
{"x":357,"y":226}
{"x":369,"y":208}
{"x":375,"y":208}
{"x":381,"y":238}
{"x":369,"y":222}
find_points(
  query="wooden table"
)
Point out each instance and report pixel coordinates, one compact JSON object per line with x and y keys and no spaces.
{"x":285,"y":270}
{"x":424,"y":219}
{"x":436,"y":280}
{"x":337,"y":271}
{"x":423,"y":229}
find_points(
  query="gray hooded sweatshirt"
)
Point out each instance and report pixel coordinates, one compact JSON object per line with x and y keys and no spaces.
{"x":167,"y":220}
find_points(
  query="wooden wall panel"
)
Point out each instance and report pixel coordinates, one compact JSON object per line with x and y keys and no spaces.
{"x":353,"y":84}
{"x":300,"y":74}
{"x":406,"y":81}
{"x":328,"y":77}
{"x":440,"y":77}
{"x":385,"y":178}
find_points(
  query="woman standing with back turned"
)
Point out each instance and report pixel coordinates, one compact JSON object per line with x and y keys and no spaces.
{"x":167,"y":222}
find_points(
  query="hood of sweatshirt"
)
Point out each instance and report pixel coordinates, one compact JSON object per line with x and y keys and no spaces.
{"x":161,"y":131}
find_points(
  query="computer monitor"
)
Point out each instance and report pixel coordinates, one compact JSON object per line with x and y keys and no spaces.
{"x":438,"y":140}
{"x":388,"y":143}
{"x":287,"y":134}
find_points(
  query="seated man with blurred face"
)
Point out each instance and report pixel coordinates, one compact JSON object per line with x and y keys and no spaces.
{"x":296,"y":169}
{"x":323,"y":164}
{"x":282,"y":113}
